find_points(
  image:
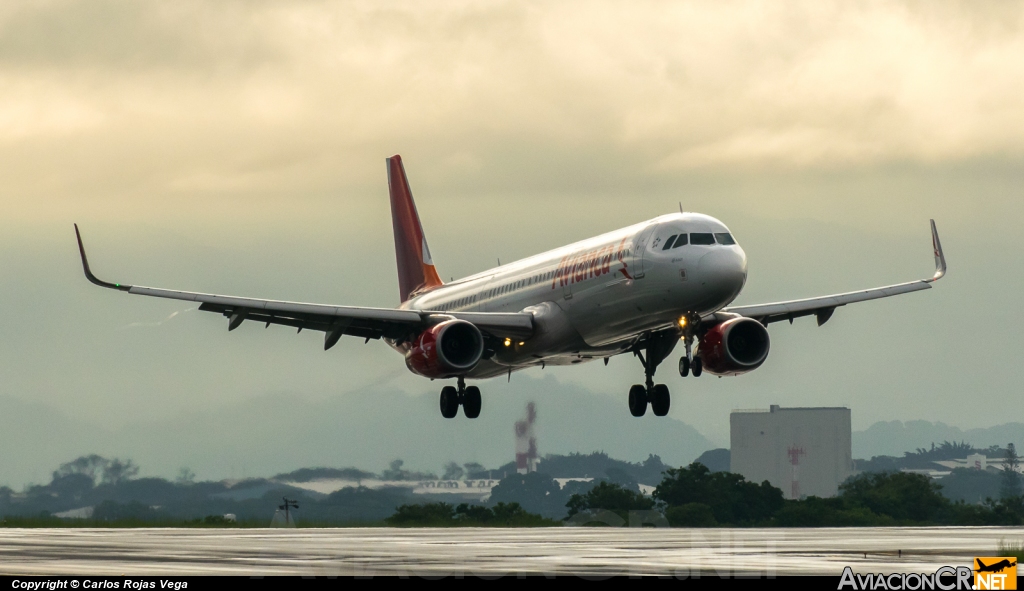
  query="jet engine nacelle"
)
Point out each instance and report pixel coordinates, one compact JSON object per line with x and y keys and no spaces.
{"x":450,"y":348}
{"x":734,"y":347}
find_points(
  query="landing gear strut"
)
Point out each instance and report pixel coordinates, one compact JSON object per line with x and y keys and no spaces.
{"x":659,"y":345}
{"x":689,"y":362}
{"x":467,"y":396}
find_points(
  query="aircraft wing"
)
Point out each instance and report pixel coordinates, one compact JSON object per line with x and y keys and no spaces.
{"x":335,"y":321}
{"x":824,"y":306}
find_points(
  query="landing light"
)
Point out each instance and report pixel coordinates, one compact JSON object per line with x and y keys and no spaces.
{"x":521,"y":343}
{"x":682,"y":322}
{"x":508,"y":342}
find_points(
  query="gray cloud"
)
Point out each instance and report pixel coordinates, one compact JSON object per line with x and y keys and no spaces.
{"x":108,"y":98}
{"x":237,"y":147}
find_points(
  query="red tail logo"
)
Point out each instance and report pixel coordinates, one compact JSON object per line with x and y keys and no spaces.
{"x":415,"y":267}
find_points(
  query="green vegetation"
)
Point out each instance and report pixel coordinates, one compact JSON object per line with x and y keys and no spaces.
{"x":731,"y":499}
{"x":308,"y":474}
{"x":696,"y":497}
{"x":609,"y":496}
{"x":604,"y":491}
{"x":535,"y":492}
{"x":396,"y":472}
{"x":599,"y":465}
{"x":465,"y":515}
{"x":905,"y":497}
{"x":1010,"y":476}
{"x":1011,"y":549}
{"x":49,"y":521}
{"x":925,"y":458}
{"x":970,"y":485}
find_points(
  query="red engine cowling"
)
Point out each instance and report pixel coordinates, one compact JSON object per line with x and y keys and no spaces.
{"x":446,"y":349}
{"x":734,"y":347}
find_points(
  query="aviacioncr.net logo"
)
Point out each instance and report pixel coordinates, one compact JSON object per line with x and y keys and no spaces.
{"x":946,"y":578}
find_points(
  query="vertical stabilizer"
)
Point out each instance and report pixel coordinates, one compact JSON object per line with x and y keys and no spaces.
{"x":415,"y":267}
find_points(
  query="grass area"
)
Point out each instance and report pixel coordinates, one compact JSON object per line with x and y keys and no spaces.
{"x":1011,"y":549}
{"x":210,"y":522}
{"x":55,"y":522}
{"x":465,"y":515}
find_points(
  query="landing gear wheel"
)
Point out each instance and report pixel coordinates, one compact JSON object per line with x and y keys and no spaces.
{"x":684,"y":366}
{"x":637,"y":400}
{"x":698,"y":367}
{"x":449,"y":402}
{"x":471,"y":402}
{"x":660,"y":400}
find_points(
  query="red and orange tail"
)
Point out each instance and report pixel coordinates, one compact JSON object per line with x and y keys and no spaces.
{"x":415,"y":267}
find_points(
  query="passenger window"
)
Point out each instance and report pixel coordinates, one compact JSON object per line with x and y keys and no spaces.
{"x":668,"y":243}
{"x":702,"y":238}
{"x":683,"y":240}
{"x":724,"y":238}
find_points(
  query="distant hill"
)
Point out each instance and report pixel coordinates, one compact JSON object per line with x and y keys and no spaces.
{"x":717,"y":460}
{"x":36,"y":439}
{"x":892,"y":438}
{"x":276,"y":434}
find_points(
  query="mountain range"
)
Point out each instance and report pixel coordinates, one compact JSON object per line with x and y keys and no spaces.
{"x":282,"y":432}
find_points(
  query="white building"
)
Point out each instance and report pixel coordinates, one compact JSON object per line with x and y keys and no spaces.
{"x":803,"y":451}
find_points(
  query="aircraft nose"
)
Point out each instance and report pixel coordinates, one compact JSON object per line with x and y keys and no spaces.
{"x":722,"y":273}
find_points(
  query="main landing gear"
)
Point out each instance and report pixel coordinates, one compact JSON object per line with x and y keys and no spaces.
{"x":467,"y":396}
{"x":659,"y":345}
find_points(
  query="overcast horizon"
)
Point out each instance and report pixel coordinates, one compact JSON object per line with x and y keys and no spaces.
{"x":239,"y":147}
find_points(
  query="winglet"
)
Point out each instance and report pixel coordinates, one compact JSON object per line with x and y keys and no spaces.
{"x":940,"y":259}
{"x":88,"y":273}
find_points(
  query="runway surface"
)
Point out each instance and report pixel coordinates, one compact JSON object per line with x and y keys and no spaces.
{"x":490,"y":552}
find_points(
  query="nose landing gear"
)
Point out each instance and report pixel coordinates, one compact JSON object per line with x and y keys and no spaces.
{"x":467,"y":396}
{"x":689,"y":363}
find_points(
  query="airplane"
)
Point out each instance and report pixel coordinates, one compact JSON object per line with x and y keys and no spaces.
{"x":995,"y":567}
{"x":637,"y":290}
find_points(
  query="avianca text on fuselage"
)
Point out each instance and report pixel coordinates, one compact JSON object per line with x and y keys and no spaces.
{"x":578,"y":267}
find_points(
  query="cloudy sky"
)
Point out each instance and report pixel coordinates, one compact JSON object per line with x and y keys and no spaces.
{"x":238,"y":147}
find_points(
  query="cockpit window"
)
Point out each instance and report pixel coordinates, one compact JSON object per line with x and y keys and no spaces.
{"x":702,"y":238}
{"x":683,"y":240}
{"x":668,"y":243}
{"x":724,"y":238}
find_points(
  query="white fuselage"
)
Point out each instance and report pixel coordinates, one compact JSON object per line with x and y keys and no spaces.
{"x":594,"y":298}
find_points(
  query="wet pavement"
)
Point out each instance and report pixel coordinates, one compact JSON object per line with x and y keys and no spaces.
{"x":493,"y":552}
